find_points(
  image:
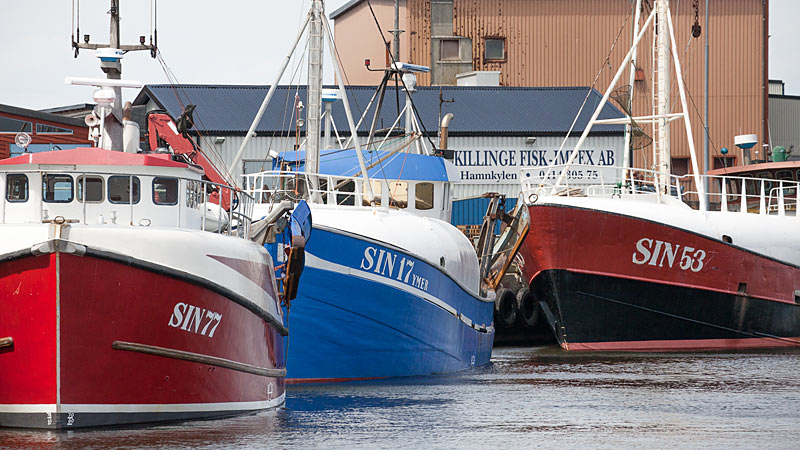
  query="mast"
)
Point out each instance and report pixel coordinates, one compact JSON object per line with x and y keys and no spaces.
{"x":667,"y":48}
{"x":111,"y":63}
{"x":662,"y":93}
{"x":706,"y":156}
{"x":316,"y":13}
{"x":314,"y":100}
{"x":626,"y":157}
{"x":396,"y":32}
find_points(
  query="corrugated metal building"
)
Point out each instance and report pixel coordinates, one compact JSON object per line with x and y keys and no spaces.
{"x":47,"y":131}
{"x":784,"y":123}
{"x":562,"y":43}
{"x":496,"y":130}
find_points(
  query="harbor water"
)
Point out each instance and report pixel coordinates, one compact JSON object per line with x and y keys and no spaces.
{"x":537,"y":397}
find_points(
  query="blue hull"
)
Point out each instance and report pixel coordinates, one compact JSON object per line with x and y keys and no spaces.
{"x":368,"y":310}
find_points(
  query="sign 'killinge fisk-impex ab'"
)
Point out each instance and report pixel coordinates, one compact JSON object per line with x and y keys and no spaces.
{"x":502,"y":165}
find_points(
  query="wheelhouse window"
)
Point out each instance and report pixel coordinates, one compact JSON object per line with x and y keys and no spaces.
{"x":376,"y":191}
{"x":17,"y":187}
{"x":94,"y":188}
{"x":398,"y":194}
{"x":165,"y":191}
{"x":679,"y":166}
{"x":119,"y":189}
{"x":423,"y":196}
{"x":495,"y":49}
{"x":57,"y":188}
{"x":345,"y":199}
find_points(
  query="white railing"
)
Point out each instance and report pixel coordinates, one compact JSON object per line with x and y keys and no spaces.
{"x":724,"y":193}
{"x":274,"y":186}
{"x":192,"y":194}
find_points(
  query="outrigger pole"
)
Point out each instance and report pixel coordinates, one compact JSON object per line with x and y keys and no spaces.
{"x":665,"y":17}
{"x":317,"y":13}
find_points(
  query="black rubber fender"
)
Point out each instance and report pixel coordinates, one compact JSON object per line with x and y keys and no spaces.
{"x":505,"y":308}
{"x":528,"y":309}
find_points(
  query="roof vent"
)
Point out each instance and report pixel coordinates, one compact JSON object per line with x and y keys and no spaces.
{"x":479,"y":78}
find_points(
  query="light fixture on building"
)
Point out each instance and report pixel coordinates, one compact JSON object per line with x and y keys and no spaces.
{"x":219,"y":140}
{"x":530,"y":140}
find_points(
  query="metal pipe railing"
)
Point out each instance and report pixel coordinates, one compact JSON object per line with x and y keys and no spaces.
{"x":241,"y":211}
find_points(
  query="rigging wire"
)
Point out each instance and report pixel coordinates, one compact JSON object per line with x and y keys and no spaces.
{"x":410,"y":99}
{"x":606,"y":63}
{"x":413,"y":106}
{"x":210,"y":152}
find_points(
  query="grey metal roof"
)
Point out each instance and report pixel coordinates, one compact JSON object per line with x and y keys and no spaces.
{"x":508,"y":111}
{"x":40,"y":115}
{"x":344,"y":8}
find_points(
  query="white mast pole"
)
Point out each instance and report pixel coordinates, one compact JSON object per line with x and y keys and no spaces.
{"x":346,"y":104}
{"x":626,"y":163}
{"x":267,"y":98}
{"x":314,"y":93}
{"x":665,"y":38}
{"x":690,"y":137}
{"x":602,"y":103}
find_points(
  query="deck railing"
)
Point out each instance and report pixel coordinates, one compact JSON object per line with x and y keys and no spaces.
{"x":274,"y":186}
{"x":191,"y":193}
{"x":723,"y":192}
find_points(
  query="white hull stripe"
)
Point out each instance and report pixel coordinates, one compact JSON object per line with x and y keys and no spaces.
{"x":145,"y":408}
{"x":322,"y":264}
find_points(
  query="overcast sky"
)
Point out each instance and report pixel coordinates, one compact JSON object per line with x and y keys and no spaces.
{"x":210,"y":42}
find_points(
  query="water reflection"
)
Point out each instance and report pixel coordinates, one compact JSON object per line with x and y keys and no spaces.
{"x":531,"y":397}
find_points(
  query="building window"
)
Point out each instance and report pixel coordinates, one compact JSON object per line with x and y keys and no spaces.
{"x":57,"y":188}
{"x":680,"y":166}
{"x":94,"y":189}
{"x":722,"y":162}
{"x":16,"y":187}
{"x":14,"y":150}
{"x":49,"y":129}
{"x":448,"y":50}
{"x":165,"y":191}
{"x":119,"y":189}
{"x":495,"y":49}
{"x":8,"y":125}
{"x":423,"y":196}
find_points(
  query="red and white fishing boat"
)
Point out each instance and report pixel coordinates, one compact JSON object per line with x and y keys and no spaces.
{"x":126,"y":294}
{"x":649,"y":261}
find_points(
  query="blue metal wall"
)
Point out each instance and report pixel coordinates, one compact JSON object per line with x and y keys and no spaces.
{"x":471,"y":211}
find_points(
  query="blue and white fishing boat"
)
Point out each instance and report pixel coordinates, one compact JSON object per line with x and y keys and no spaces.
{"x":390,"y":288}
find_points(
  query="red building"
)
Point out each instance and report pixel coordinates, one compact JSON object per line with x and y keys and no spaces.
{"x":47,"y":131}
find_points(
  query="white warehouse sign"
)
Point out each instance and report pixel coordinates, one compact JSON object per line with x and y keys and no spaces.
{"x":502,"y":166}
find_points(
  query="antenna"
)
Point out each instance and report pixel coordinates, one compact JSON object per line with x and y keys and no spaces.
{"x":110,"y":56}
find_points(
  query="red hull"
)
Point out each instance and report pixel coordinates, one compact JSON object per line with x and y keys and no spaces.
{"x":586,"y":262}
{"x":64,"y":313}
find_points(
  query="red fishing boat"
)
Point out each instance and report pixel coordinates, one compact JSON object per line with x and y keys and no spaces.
{"x":649,"y":261}
{"x":130,"y":289}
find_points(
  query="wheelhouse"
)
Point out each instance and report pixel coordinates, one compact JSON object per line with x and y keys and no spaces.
{"x":157,"y":192}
